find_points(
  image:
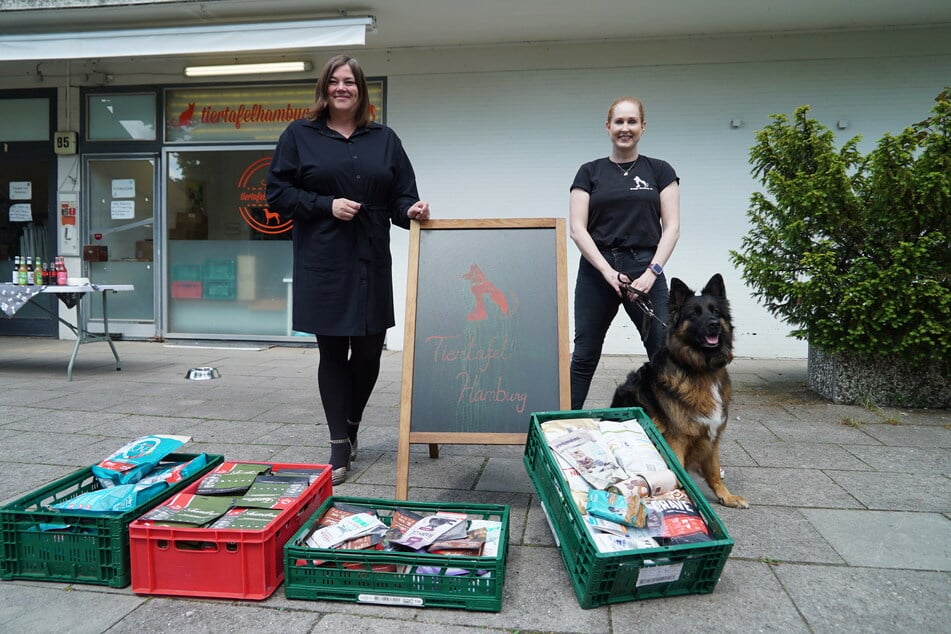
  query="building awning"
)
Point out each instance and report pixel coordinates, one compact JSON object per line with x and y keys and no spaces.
{"x":186,"y":40}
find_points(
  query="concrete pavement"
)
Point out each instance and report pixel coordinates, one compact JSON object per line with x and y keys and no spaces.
{"x":849,"y":530}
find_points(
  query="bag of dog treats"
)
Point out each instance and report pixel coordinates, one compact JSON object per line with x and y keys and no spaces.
{"x":629,"y":511}
{"x":673,"y":519}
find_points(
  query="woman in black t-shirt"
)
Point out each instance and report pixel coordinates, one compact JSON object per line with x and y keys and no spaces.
{"x":624,"y":216}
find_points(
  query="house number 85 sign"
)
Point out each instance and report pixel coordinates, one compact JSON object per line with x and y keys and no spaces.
{"x":64,"y":143}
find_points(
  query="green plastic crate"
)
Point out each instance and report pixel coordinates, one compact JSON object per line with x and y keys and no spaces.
{"x":186,"y":272}
{"x":602,"y":578}
{"x":91,"y":549}
{"x":349,"y":575}
{"x":221,"y":270}
{"x":219,"y":289}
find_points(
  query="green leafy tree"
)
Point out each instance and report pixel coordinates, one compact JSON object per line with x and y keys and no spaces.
{"x":853,"y":250}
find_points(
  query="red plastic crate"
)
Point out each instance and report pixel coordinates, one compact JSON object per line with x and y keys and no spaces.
{"x":186,"y":290}
{"x":224,"y":563}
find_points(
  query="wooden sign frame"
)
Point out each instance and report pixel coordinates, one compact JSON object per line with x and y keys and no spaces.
{"x":516,"y":287}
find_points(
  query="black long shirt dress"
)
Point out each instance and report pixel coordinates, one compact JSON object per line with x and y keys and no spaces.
{"x":343,"y":283}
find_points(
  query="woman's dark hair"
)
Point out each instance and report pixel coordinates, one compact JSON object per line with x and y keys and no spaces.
{"x":361,"y":115}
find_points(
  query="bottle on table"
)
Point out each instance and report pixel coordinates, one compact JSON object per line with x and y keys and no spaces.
{"x":30,"y":273}
{"x":38,"y":273}
{"x":16,"y":270}
{"x":62,"y":278}
{"x":22,"y":272}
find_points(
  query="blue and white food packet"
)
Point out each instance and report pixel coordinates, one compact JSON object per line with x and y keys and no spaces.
{"x":116,"y":499}
{"x":131,"y":462}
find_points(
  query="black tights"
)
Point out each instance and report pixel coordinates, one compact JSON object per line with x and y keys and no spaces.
{"x":346,"y":373}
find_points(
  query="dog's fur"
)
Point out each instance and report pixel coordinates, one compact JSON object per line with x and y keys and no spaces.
{"x":685,"y":388}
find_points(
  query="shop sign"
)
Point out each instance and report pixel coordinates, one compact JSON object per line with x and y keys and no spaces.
{"x":213,"y":114}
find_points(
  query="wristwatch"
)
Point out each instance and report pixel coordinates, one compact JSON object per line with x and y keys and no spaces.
{"x":656,"y":268}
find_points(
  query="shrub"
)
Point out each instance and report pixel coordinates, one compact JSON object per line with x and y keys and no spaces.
{"x":852,"y":249}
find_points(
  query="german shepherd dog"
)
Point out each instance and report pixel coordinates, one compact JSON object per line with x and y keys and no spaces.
{"x":685,"y":388}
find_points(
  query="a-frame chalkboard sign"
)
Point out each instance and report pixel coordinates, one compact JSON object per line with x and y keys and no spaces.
{"x":486,"y":334}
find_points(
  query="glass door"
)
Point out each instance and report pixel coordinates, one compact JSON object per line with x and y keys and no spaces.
{"x":26,"y":230}
{"x":119,"y":245}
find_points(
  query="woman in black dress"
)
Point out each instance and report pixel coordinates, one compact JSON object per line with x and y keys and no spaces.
{"x":343,"y":179}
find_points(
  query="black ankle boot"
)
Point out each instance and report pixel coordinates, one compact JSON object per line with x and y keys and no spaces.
{"x":340,"y":457}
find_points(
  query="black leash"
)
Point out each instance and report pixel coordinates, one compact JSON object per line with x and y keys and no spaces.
{"x":642,"y":301}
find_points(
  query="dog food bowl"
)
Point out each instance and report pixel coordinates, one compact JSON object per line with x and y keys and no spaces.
{"x":202,"y":374}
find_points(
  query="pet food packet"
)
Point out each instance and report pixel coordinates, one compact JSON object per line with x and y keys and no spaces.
{"x":632,"y":487}
{"x":674,"y":519}
{"x":402,"y":521}
{"x":636,"y":454}
{"x":493,"y":535}
{"x":553,"y":428}
{"x":115,"y":499}
{"x":617,"y":508}
{"x":638,"y":540}
{"x":345,"y":530}
{"x":175,"y":473}
{"x":129,"y":463}
{"x":426,"y":531}
{"x":338,"y":511}
{"x":584,"y":451}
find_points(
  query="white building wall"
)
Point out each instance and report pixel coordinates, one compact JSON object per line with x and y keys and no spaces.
{"x":508,"y":144}
{"x":501,"y":131}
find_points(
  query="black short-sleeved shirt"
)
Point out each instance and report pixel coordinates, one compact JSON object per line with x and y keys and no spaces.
{"x":624,"y":211}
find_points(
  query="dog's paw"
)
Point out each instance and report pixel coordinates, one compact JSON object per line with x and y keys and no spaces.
{"x":734,"y":501}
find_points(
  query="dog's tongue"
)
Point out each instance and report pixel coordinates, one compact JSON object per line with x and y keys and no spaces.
{"x":713,"y":340}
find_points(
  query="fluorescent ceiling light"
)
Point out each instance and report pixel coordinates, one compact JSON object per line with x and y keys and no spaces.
{"x":247,"y":69}
{"x":185,"y":40}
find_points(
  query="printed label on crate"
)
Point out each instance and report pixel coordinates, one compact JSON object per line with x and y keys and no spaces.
{"x":384,"y":599}
{"x":652,"y":575}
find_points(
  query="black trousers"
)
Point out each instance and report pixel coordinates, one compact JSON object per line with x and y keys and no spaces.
{"x":596,"y":305}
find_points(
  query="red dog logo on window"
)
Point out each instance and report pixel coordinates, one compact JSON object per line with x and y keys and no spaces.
{"x":481,"y":287}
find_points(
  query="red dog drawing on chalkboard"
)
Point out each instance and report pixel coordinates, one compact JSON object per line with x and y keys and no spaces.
{"x":481,"y":287}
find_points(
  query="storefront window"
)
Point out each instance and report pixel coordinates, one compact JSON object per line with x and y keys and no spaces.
{"x":25,"y":119}
{"x":229,"y":256}
{"x":120,"y":117}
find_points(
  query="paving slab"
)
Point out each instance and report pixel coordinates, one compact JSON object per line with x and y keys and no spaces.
{"x":847,"y":599}
{"x":886,"y":539}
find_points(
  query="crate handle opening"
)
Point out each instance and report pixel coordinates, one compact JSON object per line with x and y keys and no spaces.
{"x":194,"y":544}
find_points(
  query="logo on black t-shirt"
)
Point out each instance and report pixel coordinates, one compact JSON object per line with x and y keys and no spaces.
{"x":639,"y":183}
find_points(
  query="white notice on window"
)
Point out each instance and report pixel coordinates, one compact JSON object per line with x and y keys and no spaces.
{"x":123,"y":188}
{"x":122,"y":209}
{"x":21,"y":212}
{"x":21,"y":190}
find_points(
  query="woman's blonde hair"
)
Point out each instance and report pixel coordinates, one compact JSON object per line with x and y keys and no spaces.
{"x":634,"y":100}
{"x":361,"y":115}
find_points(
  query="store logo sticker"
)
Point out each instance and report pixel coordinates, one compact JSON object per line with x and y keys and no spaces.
{"x":252,"y":205}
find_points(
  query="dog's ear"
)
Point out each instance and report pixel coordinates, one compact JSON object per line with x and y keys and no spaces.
{"x":679,"y":292}
{"x":715,"y":287}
